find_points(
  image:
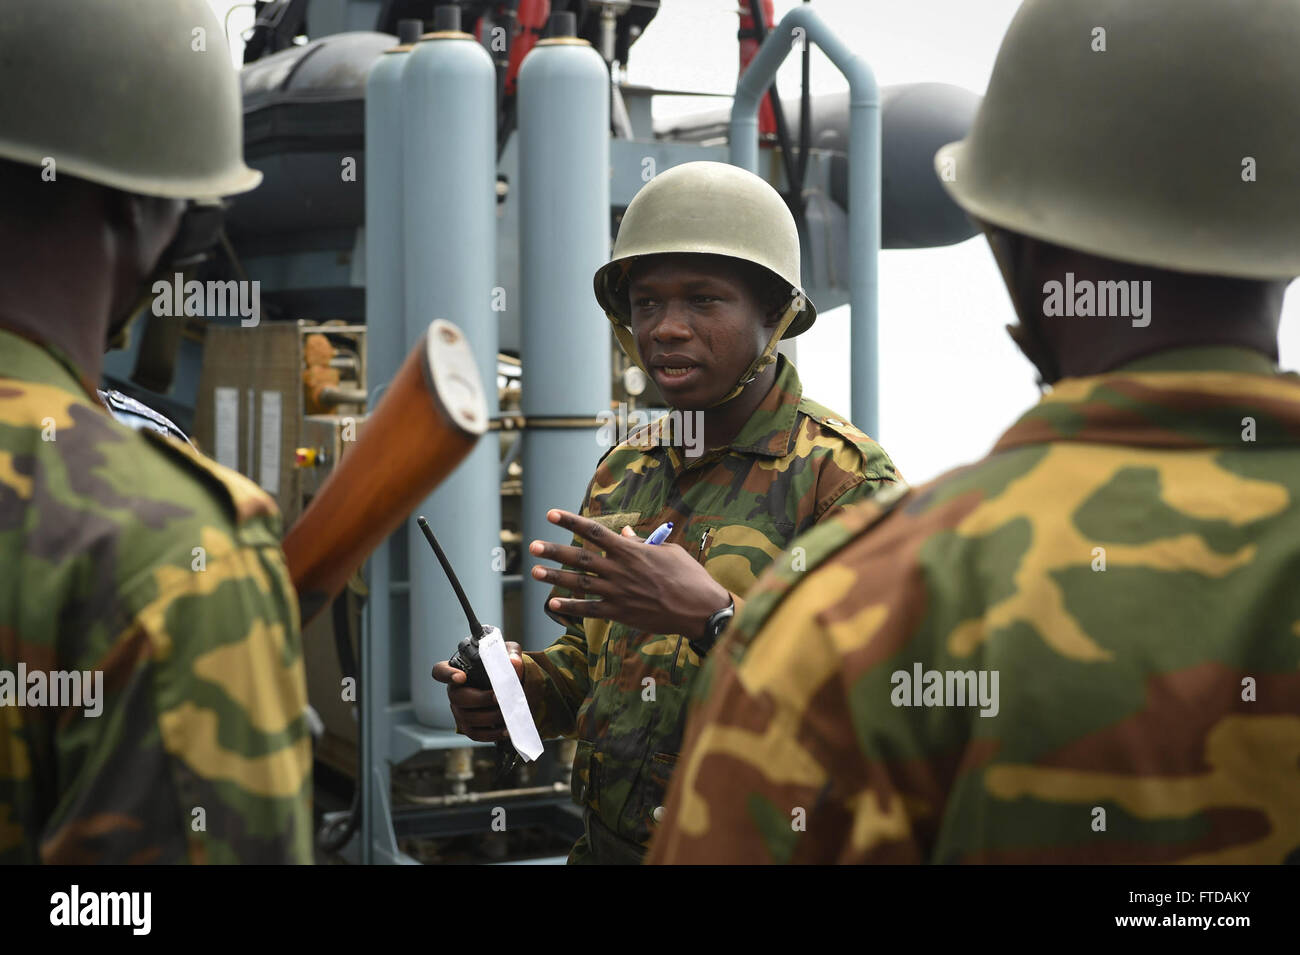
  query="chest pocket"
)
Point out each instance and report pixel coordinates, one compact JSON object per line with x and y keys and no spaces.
{"x":736,"y":554}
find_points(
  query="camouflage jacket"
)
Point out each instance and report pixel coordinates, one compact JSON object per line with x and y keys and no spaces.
{"x":735,"y":509}
{"x":147,"y":570}
{"x":1124,"y":560}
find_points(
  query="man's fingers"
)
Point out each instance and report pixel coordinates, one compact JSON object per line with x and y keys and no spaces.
{"x":468,"y":698}
{"x":476,"y":713}
{"x":582,"y":608}
{"x":444,"y":672}
{"x":582,"y":585}
{"x":578,"y":558}
{"x":484,"y":736}
{"x":516,"y":658}
{"x":480,"y":719}
{"x":584,"y":527}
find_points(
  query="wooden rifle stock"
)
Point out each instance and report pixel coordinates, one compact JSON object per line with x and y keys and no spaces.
{"x":427,"y":423}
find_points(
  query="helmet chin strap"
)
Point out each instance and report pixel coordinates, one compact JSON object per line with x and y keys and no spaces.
{"x":765,"y":358}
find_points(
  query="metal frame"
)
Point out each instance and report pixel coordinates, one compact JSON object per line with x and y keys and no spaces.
{"x":864,"y":183}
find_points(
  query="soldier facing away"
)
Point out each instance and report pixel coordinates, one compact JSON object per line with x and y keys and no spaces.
{"x":703,"y":283}
{"x":141,"y":579}
{"x":1086,"y":647}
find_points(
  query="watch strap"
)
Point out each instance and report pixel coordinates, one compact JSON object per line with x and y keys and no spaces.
{"x":713,"y":628}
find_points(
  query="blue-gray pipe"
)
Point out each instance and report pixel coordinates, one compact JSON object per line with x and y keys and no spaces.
{"x":385,"y":348}
{"x":385,"y":321}
{"x":449,"y":177}
{"x":864,"y":183}
{"x":564,"y":239}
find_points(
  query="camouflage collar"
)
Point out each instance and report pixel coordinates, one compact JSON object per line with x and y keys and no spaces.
{"x":770,"y":429}
{"x":1196,"y":398}
{"x":1212,"y":358}
{"x":769,"y":432}
{"x":29,"y":360}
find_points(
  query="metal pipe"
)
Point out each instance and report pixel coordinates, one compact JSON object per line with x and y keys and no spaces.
{"x":386,"y":340}
{"x":608,"y":32}
{"x":864,"y":183}
{"x":503,"y":795}
{"x":805,"y":122}
{"x":794,"y":184}
{"x":385,"y":350}
{"x":512,"y":455}
{"x":564,"y":239}
{"x":449,"y":176}
{"x":337,"y":395}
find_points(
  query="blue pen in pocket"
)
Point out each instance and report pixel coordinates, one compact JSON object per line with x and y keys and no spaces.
{"x":660,"y":533}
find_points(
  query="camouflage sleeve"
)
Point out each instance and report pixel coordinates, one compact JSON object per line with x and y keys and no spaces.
{"x":203,"y":693}
{"x":556,"y":681}
{"x":862,"y":491}
{"x":852,"y":466}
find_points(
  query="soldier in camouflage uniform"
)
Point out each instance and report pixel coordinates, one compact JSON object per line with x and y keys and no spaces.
{"x":704,"y":277}
{"x":128,"y":557}
{"x":1123,"y":562}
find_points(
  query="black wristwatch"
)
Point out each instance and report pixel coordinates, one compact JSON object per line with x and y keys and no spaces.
{"x":713,"y":628}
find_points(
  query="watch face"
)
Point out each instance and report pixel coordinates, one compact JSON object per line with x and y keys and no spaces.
{"x":718,"y":622}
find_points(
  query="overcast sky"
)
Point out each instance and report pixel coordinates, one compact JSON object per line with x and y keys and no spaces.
{"x":951,"y":381}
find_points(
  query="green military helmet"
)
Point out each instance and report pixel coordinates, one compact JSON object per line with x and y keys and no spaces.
{"x":707,"y":208}
{"x":132,"y":94}
{"x":1165,"y":133}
